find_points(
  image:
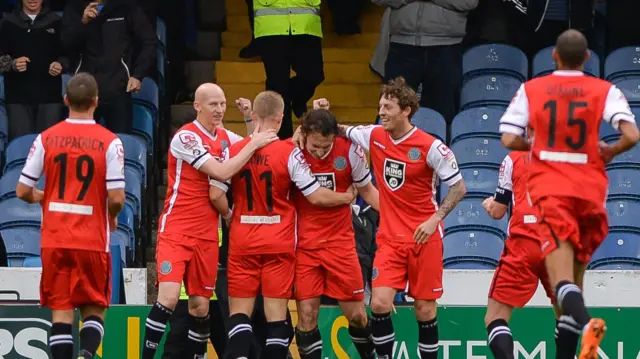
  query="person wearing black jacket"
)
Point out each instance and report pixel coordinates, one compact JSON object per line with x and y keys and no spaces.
{"x":116,"y":43}
{"x":31,"y":61}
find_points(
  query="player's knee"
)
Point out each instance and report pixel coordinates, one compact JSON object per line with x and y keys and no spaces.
{"x":307,"y":317}
{"x":380,"y":304}
{"x":425,"y":309}
{"x":358,"y":319}
{"x":168,"y":299}
{"x":198,"y":306}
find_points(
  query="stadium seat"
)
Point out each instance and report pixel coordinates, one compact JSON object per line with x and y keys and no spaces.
{"x":480,"y":181}
{"x":32,"y":262}
{"x":4,"y":128}
{"x":488,"y":91}
{"x":135,"y":154}
{"x":2,"y":89}
{"x":479,"y":151}
{"x":133,"y":190}
{"x":116,"y":274}
{"x":630,"y":87}
{"x":9,"y":181}
{"x":126,"y":223}
{"x":474,"y":122}
{"x":493,"y":59}
{"x":148,"y":96}
{"x":120,"y":239}
{"x":470,"y":216}
{"x":622,"y":63}
{"x":623,"y":214}
{"x":65,"y":81}
{"x":432,"y":122}
{"x":608,"y":134}
{"x":468,"y":264}
{"x":476,"y":247}
{"x":619,"y":248}
{"x":624,"y":182}
{"x":20,"y":243}
{"x":543,"y":63}
{"x":143,"y":125}
{"x":15,"y":212}
{"x":161,"y":31}
{"x":628,"y":159}
{"x":161,"y":62}
{"x":17,"y":151}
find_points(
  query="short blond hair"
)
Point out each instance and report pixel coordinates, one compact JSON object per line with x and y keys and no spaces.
{"x":268,"y":104}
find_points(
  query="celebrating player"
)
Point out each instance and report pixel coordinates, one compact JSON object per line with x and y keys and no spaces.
{"x":187,"y":247}
{"x":515,"y":280}
{"x":263,"y":232}
{"x":83,"y":164}
{"x":407,"y":161}
{"x":326,"y":258}
{"x":563,"y":111}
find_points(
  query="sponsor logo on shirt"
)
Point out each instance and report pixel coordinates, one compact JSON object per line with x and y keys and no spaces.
{"x":188,"y":139}
{"x":326,"y":180}
{"x":394,"y":173}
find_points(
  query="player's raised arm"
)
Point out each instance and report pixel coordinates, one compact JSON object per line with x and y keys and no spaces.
{"x":26,"y":189}
{"x":618,"y":114}
{"x":514,"y":122}
{"x":498,"y":205}
{"x":115,"y":179}
{"x":361,"y":176}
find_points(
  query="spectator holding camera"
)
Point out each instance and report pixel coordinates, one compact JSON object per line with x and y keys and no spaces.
{"x":115,"y":42}
{"x":31,"y":58}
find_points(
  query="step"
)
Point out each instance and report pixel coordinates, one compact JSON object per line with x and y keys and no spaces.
{"x":367,"y":40}
{"x":234,"y":121}
{"x":239,"y":7}
{"x":369,"y":22}
{"x":335,"y":73}
{"x":208,"y":44}
{"x":198,"y":72}
{"x":339,"y":95}
{"x":329,"y":55}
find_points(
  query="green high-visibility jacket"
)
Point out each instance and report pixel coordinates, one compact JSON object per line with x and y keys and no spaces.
{"x":284,"y":17}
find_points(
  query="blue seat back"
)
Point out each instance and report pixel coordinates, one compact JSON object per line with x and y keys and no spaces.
{"x":126,"y":223}
{"x":621,"y":63}
{"x":480,"y":181}
{"x":148,"y":95}
{"x":432,"y":122}
{"x":624,"y":182}
{"x":9,"y":181}
{"x":479,"y":151}
{"x":629,"y":159}
{"x":121,"y":238}
{"x":133,"y":189}
{"x":495,"y":59}
{"x":630,"y":87}
{"x":543,"y":63}
{"x":161,"y":31}
{"x":65,"y":80}
{"x":32,"y":262}
{"x":21,"y":241}
{"x":470,"y":216}
{"x":488,"y":91}
{"x":623,"y":214}
{"x":619,"y":247}
{"x":116,"y":273}
{"x":17,"y":151}
{"x":477,"y":246}
{"x":474,"y":122}
{"x":468,"y":264}
{"x":2,"y":97}
{"x":15,"y":213}
{"x":135,"y":153}
{"x":4,"y":124}
{"x":143,"y":124}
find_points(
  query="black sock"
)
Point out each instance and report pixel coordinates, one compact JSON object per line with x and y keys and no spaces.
{"x":363,"y":341}
{"x":383,"y":334}
{"x":278,"y":340}
{"x":309,"y":343}
{"x":500,"y":339}
{"x":61,"y":341}
{"x":572,"y":303}
{"x":428,"y":339}
{"x":90,"y":336}
{"x":567,"y":336}
{"x":240,"y":336}
{"x":198,"y":336}
{"x":155,"y":326}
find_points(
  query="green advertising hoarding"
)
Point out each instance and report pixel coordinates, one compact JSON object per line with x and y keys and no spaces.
{"x":23,"y":333}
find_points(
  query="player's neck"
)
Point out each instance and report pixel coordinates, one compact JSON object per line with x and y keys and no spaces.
{"x":207,"y":126}
{"x":266,"y":125}
{"x":80,"y":115}
{"x":401,"y":130}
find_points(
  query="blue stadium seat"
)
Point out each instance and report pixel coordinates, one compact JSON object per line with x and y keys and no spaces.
{"x":21,"y":242}
{"x":474,"y":122}
{"x":4,"y":128}
{"x":148,"y":96}
{"x":133,"y":190}
{"x":32,"y":262}
{"x":543,"y":63}
{"x":468,"y":264}
{"x":135,"y":154}
{"x":116,"y":274}
{"x":432,"y":122}
{"x":161,"y":63}
{"x":624,"y":182}
{"x":479,"y":151}
{"x":608,"y":134}
{"x":65,"y":81}
{"x":493,"y":59}
{"x":9,"y":181}
{"x":623,"y":214}
{"x":2,"y":89}
{"x":470,"y":216}
{"x":622,"y":63}
{"x":126,"y":223}
{"x":630,"y":87}
{"x":629,"y":159}
{"x":15,"y":212}
{"x":143,"y":125}
{"x":161,"y":31}
{"x":619,"y":248}
{"x":488,"y":91}
{"x":477,"y":247}
{"x":120,"y":240}
{"x":17,"y":151}
{"x":480,"y":181}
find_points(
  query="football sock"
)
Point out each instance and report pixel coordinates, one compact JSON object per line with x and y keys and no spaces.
{"x":278,"y":340}
{"x":198,"y":337}
{"x":90,"y":336}
{"x":240,"y":336}
{"x":383,"y":334}
{"x":309,"y":343}
{"x":572,"y":303}
{"x":61,"y":341}
{"x":428,"y":339}
{"x":500,"y":339}
{"x":155,"y":326}
{"x":567,"y":336}
{"x":363,"y":341}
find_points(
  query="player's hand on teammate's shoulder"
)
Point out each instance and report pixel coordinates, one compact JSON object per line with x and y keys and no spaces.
{"x":321,"y":103}
{"x":606,"y":152}
{"x":244,"y":106}
{"x":260,"y":139}
{"x":426,"y":229}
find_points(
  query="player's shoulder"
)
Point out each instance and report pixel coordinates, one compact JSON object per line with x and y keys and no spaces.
{"x":341,"y":144}
{"x":426,"y":140}
{"x":515,"y":156}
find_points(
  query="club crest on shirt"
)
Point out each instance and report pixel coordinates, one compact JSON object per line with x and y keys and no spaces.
{"x":166,"y":267}
{"x":340,"y":163}
{"x":326,"y":180}
{"x":414,"y":154}
{"x":374,"y":273}
{"x":394,"y":173}
{"x":224,"y":144}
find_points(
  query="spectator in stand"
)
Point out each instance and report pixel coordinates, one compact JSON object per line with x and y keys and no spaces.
{"x":31,"y":61}
{"x":623,"y":29}
{"x":115,"y":42}
{"x":345,"y":15}
{"x":426,"y":48}
{"x":250,"y":51}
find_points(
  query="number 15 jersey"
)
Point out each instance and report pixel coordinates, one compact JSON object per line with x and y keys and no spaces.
{"x":563,"y":111}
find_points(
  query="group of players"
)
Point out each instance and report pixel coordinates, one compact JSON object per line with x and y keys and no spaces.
{"x":290,"y":225}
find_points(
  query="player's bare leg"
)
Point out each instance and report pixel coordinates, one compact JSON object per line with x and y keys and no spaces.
{"x":92,"y":330}
{"x":381,"y":326}
{"x":61,"y":336}
{"x":359,"y":328}
{"x":168,"y":295}
{"x":307,"y":333}
{"x":426,"y":311}
{"x":199,"y":326}
{"x":279,"y":330}
{"x":497,"y":323}
{"x":240,"y":330}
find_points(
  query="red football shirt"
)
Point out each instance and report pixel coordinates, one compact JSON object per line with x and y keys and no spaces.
{"x":81,"y":161}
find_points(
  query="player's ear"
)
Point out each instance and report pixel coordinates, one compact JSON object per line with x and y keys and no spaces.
{"x":407,"y":111}
{"x":196,"y":106}
{"x":95,"y":102}
{"x":554,"y":56}
{"x":66,"y":100}
{"x":587,"y":56}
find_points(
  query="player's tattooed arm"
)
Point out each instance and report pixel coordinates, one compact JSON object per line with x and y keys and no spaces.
{"x":451,"y":200}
